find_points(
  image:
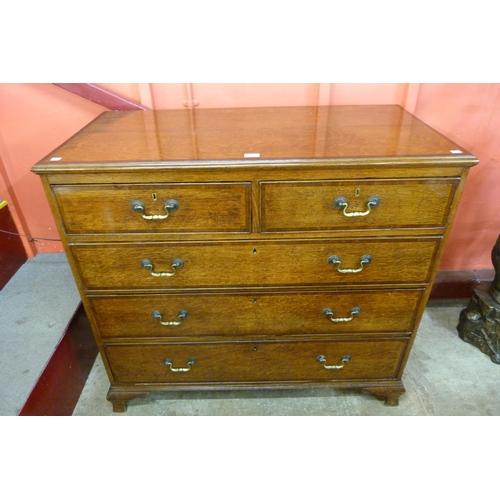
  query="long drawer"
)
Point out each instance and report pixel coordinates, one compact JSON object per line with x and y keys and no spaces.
{"x":155,"y":208}
{"x":360,"y":204}
{"x":261,"y":263}
{"x":300,"y":313}
{"x":255,"y":361}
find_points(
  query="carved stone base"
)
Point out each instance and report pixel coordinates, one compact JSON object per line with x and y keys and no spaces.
{"x":479,"y":323}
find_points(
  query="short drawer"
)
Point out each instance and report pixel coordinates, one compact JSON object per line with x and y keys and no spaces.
{"x":255,"y":264}
{"x":255,"y":361}
{"x":332,"y":205}
{"x":258,"y":314}
{"x":155,"y":208}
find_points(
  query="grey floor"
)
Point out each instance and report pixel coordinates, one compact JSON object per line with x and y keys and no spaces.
{"x":36,"y":305}
{"x":444,"y":375}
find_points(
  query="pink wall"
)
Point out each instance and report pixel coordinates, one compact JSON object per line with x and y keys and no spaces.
{"x":35,"y":118}
{"x":221,"y":95}
{"x":469,"y":114}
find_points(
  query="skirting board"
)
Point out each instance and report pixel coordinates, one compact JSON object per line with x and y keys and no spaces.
{"x":459,"y":285}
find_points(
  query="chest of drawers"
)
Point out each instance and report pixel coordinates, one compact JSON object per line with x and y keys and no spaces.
{"x":256,"y":247}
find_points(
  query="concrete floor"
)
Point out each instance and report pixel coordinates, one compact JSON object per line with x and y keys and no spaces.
{"x":444,"y":377}
{"x":36,"y":306}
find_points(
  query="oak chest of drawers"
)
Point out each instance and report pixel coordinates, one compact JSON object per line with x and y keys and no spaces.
{"x":255,"y":248}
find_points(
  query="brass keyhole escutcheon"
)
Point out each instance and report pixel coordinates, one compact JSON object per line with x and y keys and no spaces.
{"x":356,"y":193}
{"x":153,"y":196}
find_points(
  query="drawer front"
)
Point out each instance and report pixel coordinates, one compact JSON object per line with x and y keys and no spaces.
{"x":263,"y":263}
{"x":255,"y":361}
{"x":119,"y":208}
{"x":256,"y":314}
{"x":320,"y":206}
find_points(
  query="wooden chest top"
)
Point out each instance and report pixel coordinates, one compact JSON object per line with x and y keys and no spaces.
{"x":338,"y":135}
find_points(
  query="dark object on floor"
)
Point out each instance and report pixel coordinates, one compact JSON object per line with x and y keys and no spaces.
{"x":495,"y":286}
{"x":12,"y":253}
{"x":480,"y":321}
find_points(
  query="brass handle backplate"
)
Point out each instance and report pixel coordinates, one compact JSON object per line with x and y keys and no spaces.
{"x":341,"y":203}
{"x":335,"y":260}
{"x":138,"y":206}
{"x":176,"y":264}
{"x":169,"y":363}
{"x":354,"y":311}
{"x":182,"y":315}
{"x":322,"y":359}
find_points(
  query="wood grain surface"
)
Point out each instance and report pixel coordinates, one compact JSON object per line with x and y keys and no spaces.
{"x":256,"y":361}
{"x":259,"y":314}
{"x":304,"y":132}
{"x":246,"y":263}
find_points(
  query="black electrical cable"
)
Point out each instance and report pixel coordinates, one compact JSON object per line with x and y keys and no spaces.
{"x":31,"y":239}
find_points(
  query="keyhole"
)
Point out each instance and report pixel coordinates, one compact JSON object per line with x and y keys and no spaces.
{"x":357,"y":192}
{"x":153,"y":195}
{"x":254,"y":347}
{"x":255,"y":301}
{"x":254,"y":251}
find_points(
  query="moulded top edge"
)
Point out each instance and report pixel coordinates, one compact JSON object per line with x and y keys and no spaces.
{"x":462,"y":160}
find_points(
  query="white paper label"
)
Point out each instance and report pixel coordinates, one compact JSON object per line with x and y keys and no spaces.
{"x":56,"y":158}
{"x":455,"y":151}
{"x":251,"y":155}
